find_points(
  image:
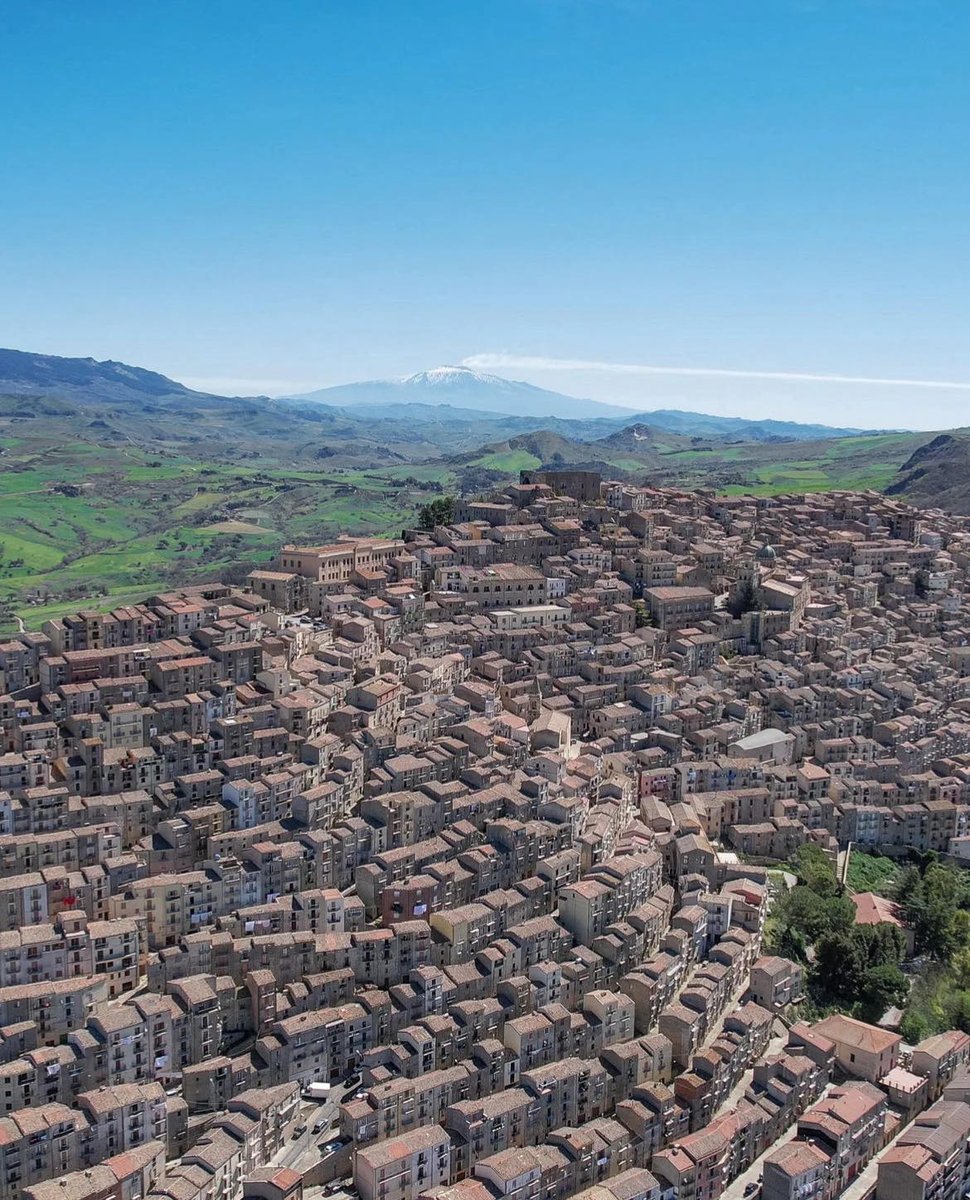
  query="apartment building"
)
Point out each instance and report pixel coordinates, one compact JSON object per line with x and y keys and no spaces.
{"x":332,"y":565}
{"x":862,"y":1051}
{"x":938,"y":1059}
{"x":675,"y":608}
{"x":127,"y":1176}
{"x":125,"y":1116}
{"x":501,"y":585}
{"x":404,"y":1167}
{"x":929,"y":1158}
{"x":776,"y":982}
{"x":837,"y":1137}
{"x":41,"y":1143}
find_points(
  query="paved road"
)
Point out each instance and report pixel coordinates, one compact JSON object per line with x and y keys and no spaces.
{"x":304,"y":1151}
{"x":317,"y":1193}
{"x":293,"y":1151}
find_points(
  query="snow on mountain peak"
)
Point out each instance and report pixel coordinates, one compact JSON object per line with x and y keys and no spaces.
{"x":450,"y":376}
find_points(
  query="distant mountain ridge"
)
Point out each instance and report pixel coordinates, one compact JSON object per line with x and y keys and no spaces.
{"x":694,"y":424}
{"x":22,"y":373}
{"x":417,"y":399}
{"x":437,"y":421}
{"x":462,"y":387}
{"x":122,"y":402}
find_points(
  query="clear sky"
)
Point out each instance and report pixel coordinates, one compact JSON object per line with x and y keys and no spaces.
{"x":275,"y":196}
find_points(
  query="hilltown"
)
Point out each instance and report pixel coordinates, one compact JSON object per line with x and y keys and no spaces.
{"x":438,"y":868}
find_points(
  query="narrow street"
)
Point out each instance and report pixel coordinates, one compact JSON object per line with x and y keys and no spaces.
{"x":302,"y":1152}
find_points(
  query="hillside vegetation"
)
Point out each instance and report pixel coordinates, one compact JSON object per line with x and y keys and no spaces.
{"x":115,"y":480}
{"x":79,"y":520}
{"x":937,"y":473}
{"x":643,"y":453}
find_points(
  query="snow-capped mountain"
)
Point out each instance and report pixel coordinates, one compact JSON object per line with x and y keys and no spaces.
{"x":451,"y":377}
{"x":461,"y":387}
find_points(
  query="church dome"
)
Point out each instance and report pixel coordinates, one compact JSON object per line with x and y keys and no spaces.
{"x":766,"y":554}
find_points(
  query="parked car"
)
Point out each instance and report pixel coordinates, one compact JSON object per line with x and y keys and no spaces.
{"x":331,"y":1147}
{"x":298,"y":1132}
{"x":352,"y":1080}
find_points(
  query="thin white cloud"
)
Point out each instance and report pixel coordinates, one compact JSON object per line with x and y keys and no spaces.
{"x":525,"y":362}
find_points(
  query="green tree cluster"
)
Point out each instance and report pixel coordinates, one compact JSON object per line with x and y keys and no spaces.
{"x":859,"y":969}
{"x":853,"y":967}
{"x":436,"y":512}
{"x":935,"y":898}
{"x":935,"y":901}
{"x":940,"y":1000}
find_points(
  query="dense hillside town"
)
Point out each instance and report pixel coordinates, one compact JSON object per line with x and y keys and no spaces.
{"x":441,"y":867}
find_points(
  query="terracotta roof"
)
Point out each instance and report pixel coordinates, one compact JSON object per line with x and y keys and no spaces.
{"x":871,"y":909}
{"x":857,"y":1033}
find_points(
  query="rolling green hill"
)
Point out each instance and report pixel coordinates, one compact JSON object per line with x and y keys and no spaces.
{"x":80,"y":518}
{"x":643,"y":453}
{"x":114,"y":481}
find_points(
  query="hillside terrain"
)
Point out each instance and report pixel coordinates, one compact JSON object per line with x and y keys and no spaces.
{"x":735,"y":428}
{"x":865,"y":461}
{"x":937,"y":473}
{"x":86,"y":508}
{"x":23,"y":373}
{"x":114,"y":480}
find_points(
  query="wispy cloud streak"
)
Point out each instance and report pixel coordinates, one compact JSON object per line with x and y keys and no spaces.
{"x":525,"y":362}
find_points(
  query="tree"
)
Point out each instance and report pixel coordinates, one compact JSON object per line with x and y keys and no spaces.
{"x":436,"y":512}
{"x":919,"y":893}
{"x":839,"y":967}
{"x":881,"y":988}
{"x":882,"y":945}
{"x":930,"y":905}
{"x":959,"y":1011}
{"x":915,"y":1026}
{"x":910,"y":885}
{"x":791,"y":944}
{"x":802,"y":910}
{"x":853,"y":966}
{"x":815,"y":870}
{"x":642,"y":618}
{"x":960,"y":964}
{"x":743,"y":599}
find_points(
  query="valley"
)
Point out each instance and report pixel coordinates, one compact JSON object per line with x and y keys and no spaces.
{"x":114,"y":481}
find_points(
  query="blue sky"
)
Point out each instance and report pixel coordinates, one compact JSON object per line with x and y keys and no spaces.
{"x":277,"y":196}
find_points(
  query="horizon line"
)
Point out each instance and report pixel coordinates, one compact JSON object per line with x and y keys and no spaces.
{"x":490,"y":361}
